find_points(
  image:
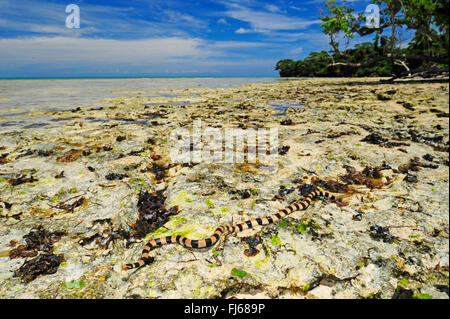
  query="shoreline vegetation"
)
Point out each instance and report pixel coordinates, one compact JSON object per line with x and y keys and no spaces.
{"x":389,"y":49}
{"x":79,"y":200}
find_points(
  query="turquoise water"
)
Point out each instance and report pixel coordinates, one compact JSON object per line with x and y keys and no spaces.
{"x":18,"y":97}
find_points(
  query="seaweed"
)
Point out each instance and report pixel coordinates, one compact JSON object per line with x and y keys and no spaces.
{"x":284,"y":149}
{"x":104,"y":148}
{"x":244,"y":193}
{"x":414,"y":165}
{"x":410,"y":178}
{"x":70,"y":156}
{"x":3,"y":158}
{"x":252,"y":242}
{"x":22,"y":179}
{"x":381,"y":233}
{"x":26,"y":153}
{"x":329,"y":185}
{"x":5,"y":204}
{"x":114,"y":176}
{"x":69,"y":208}
{"x":38,"y":239}
{"x":43,"y":264}
{"x":428,"y":157}
{"x":160,"y":171}
{"x":306,"y":189}
{"x":60,"y":175}
{"x":370,"y":176}
{"x":336,"y":135}
{"x":152,"y":213}
{"x":283,"y":191}
{"x":406,"y":105}
{"x":382,"y":97}
{"x":377,"y":139}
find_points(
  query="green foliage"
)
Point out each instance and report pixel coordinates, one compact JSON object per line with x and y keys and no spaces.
{"x":318,"y":64}
{"x":275,"y":240}
{"x":301,"y":228}
{"x":74,"y":284}
{"x":239,"y":273}
{"x":209,"y":203}
{"x":385,"y":54}
{"x":283,"y":223}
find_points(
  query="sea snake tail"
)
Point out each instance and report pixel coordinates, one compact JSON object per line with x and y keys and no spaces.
{"x":224,"y":229}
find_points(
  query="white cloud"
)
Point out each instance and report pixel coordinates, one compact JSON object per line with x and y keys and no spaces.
{"x":243,"y":31}
{"x":222,"y":21}
{"x":87,"y":50}
{"x":180,"y":18}
{"x":272,"y":8}
{"x":239,"y":44}
{"x":295,"y":51}
{"x":48,"y":18}
{"x":261,"y":21}
{"x":170,"y":55}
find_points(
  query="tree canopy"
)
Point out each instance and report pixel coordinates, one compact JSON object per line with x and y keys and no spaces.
{"x":385,"y":53}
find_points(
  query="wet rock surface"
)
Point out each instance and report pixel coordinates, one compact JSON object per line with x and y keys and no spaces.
{"x":105,"y":187}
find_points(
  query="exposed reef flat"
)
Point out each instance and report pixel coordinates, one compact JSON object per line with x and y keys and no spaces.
{"x":74,"y":198}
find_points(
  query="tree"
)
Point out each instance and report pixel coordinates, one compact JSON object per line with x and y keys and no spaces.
{"x":286,"y":68}
{"x":427,"y":18}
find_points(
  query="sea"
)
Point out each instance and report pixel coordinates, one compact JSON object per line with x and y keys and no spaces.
{"x":21,"y":97}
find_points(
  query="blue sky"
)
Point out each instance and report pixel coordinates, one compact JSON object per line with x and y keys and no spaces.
{"x":158,"y":37}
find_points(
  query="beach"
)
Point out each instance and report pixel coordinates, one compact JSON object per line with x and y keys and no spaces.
{"x":76,"y":179}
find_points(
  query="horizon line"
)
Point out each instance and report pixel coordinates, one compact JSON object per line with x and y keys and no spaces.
{"x":134,"y":77}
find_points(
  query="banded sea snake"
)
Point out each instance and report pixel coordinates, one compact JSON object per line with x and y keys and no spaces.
{"x":224,"y":230}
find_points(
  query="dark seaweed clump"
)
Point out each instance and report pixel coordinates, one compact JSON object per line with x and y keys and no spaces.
{"x":106,"y":236}
{"x":306,"y":189}
{"x":414,"y":165}
{"x":244,"y":193}
{"x":286,"y":122}
{"x":381,"y":233}
{"x":160,"y":171}
{"x":369,"y":176}
{"x":43,"y":264}
{"x":284,"y":149}
{"x":152,"y":213}
{"x":114,"y":176}
{"x":283,"y":191}
{"x":22,"y":179}
{"x":377,"y":139}
{"x":38,"y":239}
{"x":252,"y":243}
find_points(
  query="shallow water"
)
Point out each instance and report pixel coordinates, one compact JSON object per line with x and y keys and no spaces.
{"x":282,"y":107}
{"x":19,"y":97}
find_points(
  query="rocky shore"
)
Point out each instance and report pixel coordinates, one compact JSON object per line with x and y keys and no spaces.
{"x":79,"y":200}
